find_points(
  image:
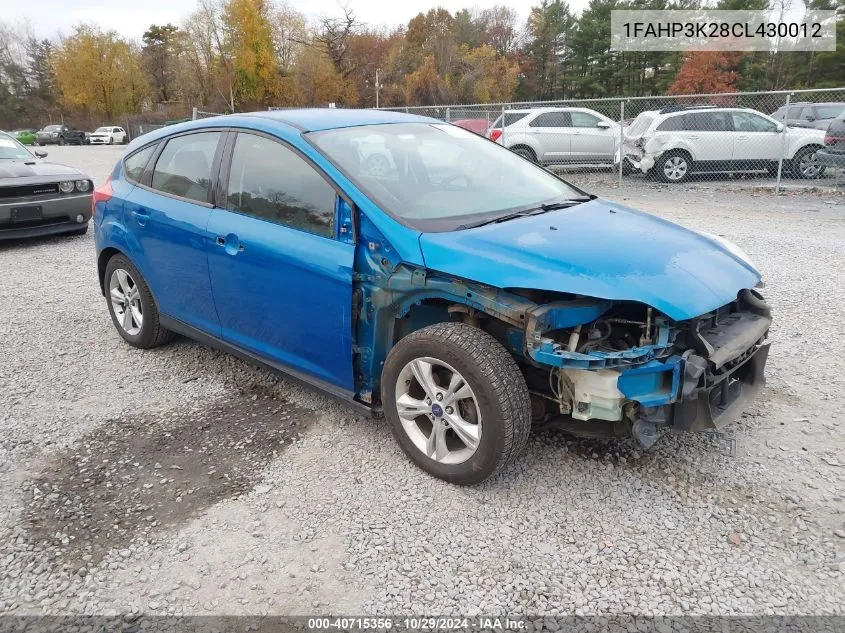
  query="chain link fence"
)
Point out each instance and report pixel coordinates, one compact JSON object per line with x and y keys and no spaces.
{"x":745,"y":140}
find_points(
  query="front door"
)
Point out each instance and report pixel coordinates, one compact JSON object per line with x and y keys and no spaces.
{"x":169,"y":216}
{"x":281,"y":277}
{"x":757,"y":139}
{"x":590,"y":143}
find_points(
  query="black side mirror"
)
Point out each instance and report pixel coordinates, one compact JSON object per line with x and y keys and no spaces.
{"x":40,"y":153}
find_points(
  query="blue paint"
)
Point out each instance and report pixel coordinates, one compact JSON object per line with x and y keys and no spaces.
{"x":654,"y":384}
{"x":599,"y":249}
{"x":332,"y":307}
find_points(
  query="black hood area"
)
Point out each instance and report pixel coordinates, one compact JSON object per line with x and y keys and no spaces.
{"x":34,"y":171}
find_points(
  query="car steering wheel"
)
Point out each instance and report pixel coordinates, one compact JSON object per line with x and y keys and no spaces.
{"x":450,"y":179}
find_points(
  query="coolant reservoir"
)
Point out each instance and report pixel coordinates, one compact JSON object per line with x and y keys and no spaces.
{"x":594,"y":394}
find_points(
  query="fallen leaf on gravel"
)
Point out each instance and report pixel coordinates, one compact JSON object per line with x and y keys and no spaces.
{"x":735,"y":538}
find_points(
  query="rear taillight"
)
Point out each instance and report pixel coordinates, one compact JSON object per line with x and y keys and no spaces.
{"x":830,"y":139}
{"x":103,"y":193}
{"x":495,"y":134}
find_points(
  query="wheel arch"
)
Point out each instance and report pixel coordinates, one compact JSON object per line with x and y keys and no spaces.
{"x":102,"y":261}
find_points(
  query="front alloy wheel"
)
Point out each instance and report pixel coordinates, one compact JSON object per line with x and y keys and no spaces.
{"x":807,"y":165}
{"x":456,"y":401}
{"x":442,"y":420}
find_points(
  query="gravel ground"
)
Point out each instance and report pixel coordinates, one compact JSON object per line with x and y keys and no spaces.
{"x":182,"y":480}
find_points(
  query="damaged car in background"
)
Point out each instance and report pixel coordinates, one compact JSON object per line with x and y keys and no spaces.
{"x":462,"y":290}
{"x":675,"y":142}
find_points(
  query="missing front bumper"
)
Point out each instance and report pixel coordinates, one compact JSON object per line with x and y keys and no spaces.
{"x":719,"y":399}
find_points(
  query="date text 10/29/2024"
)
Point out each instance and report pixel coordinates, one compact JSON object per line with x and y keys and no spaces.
{"x":492,"y":623}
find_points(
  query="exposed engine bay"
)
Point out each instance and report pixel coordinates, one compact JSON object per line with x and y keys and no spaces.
{"x":628,"y":369}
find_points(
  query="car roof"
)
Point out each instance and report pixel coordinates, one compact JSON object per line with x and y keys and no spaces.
{"x":304,"y":120}
{"x":317,"y":119}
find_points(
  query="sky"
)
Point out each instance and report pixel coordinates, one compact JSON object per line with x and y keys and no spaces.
{"x":132,"y":17}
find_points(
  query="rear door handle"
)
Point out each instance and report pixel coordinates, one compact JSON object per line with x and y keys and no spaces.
{"x":142,"y":215}
{"x":231,"y":243}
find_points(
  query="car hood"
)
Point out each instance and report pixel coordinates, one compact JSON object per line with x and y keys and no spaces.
{"x":33,"y":171}
{"x":597,"y":249}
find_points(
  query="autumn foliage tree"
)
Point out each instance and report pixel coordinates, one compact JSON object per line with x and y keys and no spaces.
{"x":707,"y":72}
{"x":100,"y":71}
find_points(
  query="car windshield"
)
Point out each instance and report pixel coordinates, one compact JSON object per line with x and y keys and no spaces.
{"x":102,"y":130}
{"x":438,"y":177}
{"x":10,"y":149}
{"x":52,"y":128}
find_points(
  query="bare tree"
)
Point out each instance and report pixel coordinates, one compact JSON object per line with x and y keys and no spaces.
{"x":334,"y":34}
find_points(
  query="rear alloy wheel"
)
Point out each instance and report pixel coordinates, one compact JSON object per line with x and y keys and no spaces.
{"x":457,"y":403}
{"x":674,"y":167}
{"x":806,"y":164}
{"x":131,"y":305}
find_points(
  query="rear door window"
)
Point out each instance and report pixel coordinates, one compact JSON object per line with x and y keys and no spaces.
{"x":552,"y":119}
{"x":184,"y":167}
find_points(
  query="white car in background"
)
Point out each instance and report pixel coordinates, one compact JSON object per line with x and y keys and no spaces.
{"x":551,"y":136}
{"x":108,"y":135}
{"x":677,"y":141}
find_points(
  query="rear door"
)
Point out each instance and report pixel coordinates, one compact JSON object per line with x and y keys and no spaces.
{"x":708,"y":135}
{"x":281,"y":269}
{"x":757,"y":140}
{"x":589,"y":143}
{"x":168,"y":213}
{"x":552,"y":131}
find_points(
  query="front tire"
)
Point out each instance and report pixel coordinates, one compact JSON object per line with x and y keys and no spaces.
{"x":806,"y":164}
{"x":131,"y":305}
{"x":673,"y":167}
{"x":456,"y":401}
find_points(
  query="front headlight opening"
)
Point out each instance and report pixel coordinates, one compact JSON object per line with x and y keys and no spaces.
{"x":66,"y":186}
{"x":83,"y":185}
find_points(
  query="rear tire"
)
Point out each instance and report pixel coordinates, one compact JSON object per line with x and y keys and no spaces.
{"x":482,"y":428}
{"x":122,"y":279}
{"x":673,"y":166}
{"x":526,"y":152}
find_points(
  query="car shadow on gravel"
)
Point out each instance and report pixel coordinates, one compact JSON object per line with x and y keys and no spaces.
{"x":135,"y":476}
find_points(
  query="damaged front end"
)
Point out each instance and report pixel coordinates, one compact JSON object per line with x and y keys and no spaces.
{"x":619,"y":368}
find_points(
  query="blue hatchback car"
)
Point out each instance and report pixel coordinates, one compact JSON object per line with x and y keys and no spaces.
{"x":412,"y":267}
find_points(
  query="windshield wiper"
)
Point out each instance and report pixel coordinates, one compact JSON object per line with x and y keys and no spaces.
{"x":542,"y":208}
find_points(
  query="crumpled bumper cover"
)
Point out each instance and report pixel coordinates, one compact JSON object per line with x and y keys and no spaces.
{"x":710,"y":401}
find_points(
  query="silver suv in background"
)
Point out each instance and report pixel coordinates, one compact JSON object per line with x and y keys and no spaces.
{"x":677,"y":141}
{"x":806,"y":114}
{"x":557,"y":135}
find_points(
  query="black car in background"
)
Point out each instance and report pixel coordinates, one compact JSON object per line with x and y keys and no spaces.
{"x":60,"y":135}
{"x":40,"y":198}
{"x":833,"y":154}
